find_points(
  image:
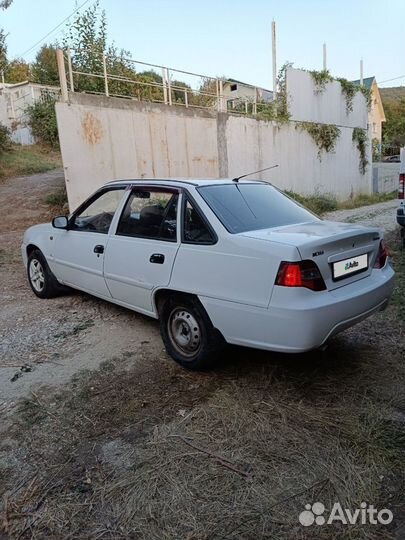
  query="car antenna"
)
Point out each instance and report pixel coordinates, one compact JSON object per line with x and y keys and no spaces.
{"x":254,"y":172}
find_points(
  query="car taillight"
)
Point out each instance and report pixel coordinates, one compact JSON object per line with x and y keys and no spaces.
{"x":401,"y":189}
{"x":382,"y":255}
{"x":300,"y":274}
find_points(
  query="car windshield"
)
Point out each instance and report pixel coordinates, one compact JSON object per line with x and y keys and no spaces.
{"x":249,"y":207}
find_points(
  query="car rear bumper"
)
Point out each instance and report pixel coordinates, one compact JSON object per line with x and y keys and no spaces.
{"x":298,"y":319}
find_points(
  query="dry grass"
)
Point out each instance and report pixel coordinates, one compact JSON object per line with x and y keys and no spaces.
{"x":144,"y":450}
{"x":25,"y":160}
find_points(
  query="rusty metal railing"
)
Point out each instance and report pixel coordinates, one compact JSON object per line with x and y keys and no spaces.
{"x":118,"y":76}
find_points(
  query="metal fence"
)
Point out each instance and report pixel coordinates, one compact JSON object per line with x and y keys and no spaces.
{"x":118,"y":76}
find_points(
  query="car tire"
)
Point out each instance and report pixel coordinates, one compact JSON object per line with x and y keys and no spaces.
{"x":187,"y":332}
{"x":42,"y":281}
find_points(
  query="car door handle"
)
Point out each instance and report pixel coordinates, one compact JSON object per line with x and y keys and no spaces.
{"x":98,"y":249}
{"x":157,"y":258}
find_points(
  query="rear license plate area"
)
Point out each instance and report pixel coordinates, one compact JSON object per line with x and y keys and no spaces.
{"x":349,"y":267}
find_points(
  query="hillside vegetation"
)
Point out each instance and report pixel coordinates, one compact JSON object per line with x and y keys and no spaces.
{"x":394,"y":105}
{"x":392,"y":95}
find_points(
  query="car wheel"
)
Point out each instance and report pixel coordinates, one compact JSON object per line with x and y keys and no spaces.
{"x":187,"y":332}
{"x":42,"y":281}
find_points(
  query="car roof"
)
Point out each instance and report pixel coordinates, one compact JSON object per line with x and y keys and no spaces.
{"x":186,"y":181}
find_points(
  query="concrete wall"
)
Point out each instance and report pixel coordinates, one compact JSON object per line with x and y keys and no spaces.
{"x":108,"y":138}
{"x":308,"y":104}
{"x":385,"y":177}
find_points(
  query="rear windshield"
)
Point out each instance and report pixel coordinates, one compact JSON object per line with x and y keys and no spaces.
{"x":249,"y":207}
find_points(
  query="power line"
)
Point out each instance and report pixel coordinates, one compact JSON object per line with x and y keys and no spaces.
{"x":53,"y":30}
{"x":394,"y":79}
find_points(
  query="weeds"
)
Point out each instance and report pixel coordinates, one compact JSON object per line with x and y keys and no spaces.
{"x":25,"y":160}
{"x":364,"y":199}
{"x":323,"y":203}
{"x":58,"y":199}
{"x":319,"y":204}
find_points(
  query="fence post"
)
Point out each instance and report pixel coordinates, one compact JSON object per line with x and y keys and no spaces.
{"x":105,"y":76}
{"x":221,"y":96}
{"x":12,"y":105}
{"x":169,"y":86}
{"x":186,"y":97}
{"x":164,"y":85}
{"x":62,"y":75}
{"x":255,"y":103}
{"x":69,"y":58}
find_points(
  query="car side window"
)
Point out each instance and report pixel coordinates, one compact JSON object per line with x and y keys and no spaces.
{"x":195,"y":229}
{"x":150,"y":214}
{"x":99,"y":212}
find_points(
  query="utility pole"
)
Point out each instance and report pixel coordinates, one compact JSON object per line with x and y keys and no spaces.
{"x":273,"y":46}
{"x":324,"y":58}
{"x":361,"y":72}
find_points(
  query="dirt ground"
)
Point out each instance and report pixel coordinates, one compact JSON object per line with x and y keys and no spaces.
{"x":103,"y":436}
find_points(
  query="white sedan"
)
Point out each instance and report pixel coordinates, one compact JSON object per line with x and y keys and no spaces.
{"x":216,"y":261}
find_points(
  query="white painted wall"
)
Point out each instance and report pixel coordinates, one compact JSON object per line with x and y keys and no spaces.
{"x":108,"y":138}
{"x":308,"y":104}
{"x":253,"y":145}
{"x":385,"y":177}
{"x":14,"y":100}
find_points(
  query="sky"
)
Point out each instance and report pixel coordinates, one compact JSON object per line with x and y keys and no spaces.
{"x":232,"y":38}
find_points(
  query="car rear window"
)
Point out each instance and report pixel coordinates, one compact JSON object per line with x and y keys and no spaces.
{"x":249,"y":207}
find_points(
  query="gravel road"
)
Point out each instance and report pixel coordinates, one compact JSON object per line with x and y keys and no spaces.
{"x":382,"y":215}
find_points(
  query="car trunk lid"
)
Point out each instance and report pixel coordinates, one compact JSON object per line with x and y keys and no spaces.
{"x":326,"y":243}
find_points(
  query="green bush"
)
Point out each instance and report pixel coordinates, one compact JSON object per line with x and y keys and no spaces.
{"x":42,"y":121}
{"x":5,"y":141}
{"x":318,"y":203}
{"x":58,"y":198}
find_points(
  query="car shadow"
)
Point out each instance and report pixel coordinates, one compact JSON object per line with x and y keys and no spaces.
{"x":315,"y":372}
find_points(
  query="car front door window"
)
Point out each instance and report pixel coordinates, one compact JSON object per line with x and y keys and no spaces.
{"x":150,"y":214}
{"x":98,"y":213}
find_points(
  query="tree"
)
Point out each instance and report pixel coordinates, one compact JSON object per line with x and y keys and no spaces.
{"x":42,"y":121}
{"x":45,"y":68}
{"x":179,"y":95}
{"x":3,"y":51}
{"x":394,"y":126}
{"x":87,"y":37}
{"x":4,"y":4}
{"x":207,"y":94}
{"x":17,"y":71}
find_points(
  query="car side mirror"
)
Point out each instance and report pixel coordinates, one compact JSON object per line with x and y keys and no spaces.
{"x":60,"y":222}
